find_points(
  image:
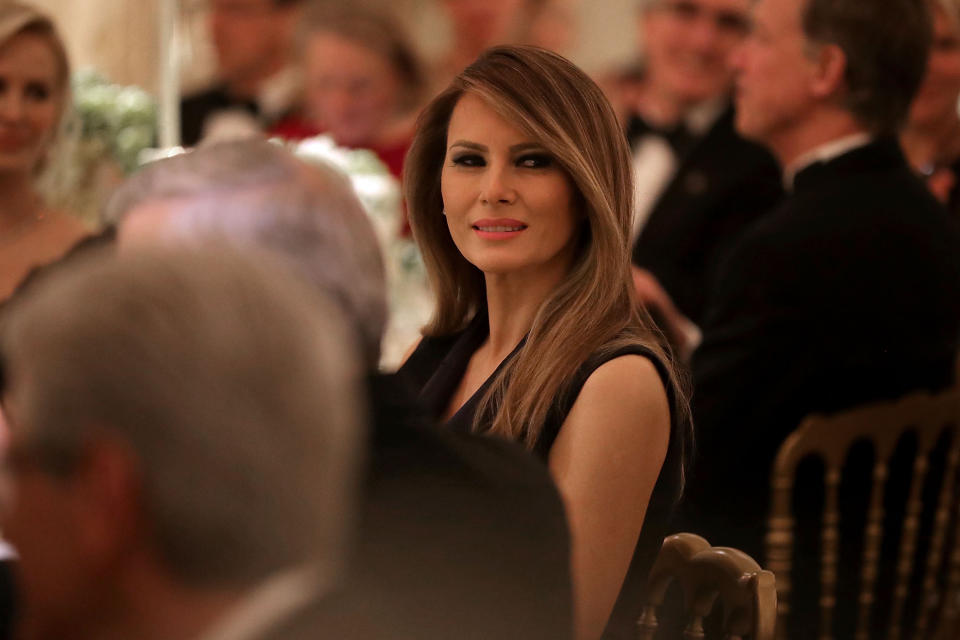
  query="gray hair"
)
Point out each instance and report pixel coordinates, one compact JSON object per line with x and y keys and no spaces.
{"x":886,"y":43}
{"x":236,"y":392}
{"x":256,"y":193}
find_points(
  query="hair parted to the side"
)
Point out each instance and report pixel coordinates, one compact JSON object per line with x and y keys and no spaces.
{"x":594,"y":309}
{"x":886,"y":43}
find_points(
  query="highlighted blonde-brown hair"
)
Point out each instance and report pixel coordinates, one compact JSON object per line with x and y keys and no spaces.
{"x":594,"y":309}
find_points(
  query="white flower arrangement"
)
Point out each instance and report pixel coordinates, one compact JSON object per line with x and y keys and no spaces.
{"x":409,"y":297}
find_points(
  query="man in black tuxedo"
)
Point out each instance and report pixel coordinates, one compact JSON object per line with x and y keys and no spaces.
{"x":849,"y":291}
{"x":699,"y":184}
{"x":253,"y":41}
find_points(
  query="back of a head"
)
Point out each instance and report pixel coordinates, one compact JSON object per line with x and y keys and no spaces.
{"x":886,"y":44}
{"x":256,"y":194}
{"x":233,"y":386}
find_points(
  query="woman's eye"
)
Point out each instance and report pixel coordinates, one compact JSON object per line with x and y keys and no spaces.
{"x":37,"y":91}
{"x":535,"y":161}
{"x":468,"y":160}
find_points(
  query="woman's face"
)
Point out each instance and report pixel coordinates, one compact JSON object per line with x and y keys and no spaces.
{"x":936,"y":102}
{"x":509,"y":206}
{"x":351,"y":91}
{"x":31,"y":96}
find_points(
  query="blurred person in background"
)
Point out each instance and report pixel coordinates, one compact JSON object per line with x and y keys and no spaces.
{"x":931,"y":138}
{"x":476,"y":25}
{"x":461,"y":536}
{"x":698,"y":183}
{"x":362,"y":82}
{"x":253,"y":42}
{"x":34,"y":104}
{"x":551,"y":24}
{"x":170,"y":478}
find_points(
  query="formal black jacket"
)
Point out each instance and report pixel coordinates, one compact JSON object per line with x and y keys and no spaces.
{"x":462,"y":536}
{"x":723,"y":183}
{"x":848,"y":292}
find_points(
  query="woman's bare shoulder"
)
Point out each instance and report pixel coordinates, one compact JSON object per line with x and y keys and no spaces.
{"x":623,"y":405}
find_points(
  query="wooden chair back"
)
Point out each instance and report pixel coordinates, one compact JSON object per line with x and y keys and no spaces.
{"x":831,"y":438}
{"x":707,"y":575}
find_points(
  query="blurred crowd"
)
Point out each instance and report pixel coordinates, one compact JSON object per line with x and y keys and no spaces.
{"x":643,"y":282}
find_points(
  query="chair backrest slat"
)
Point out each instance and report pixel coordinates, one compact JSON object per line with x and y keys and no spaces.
{"x":908,"y":544}
{"x":829,"y":552}
{"x":949,"y":623}
{"x":938,"y":537}
{"x":873,"y":538}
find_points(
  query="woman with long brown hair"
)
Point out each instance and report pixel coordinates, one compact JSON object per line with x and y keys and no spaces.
{"x":519,"y":191}
{"x":34,"y":96}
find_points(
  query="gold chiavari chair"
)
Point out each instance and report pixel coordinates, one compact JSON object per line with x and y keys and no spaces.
{"x":708,"y":575}
{"x":882,"y":424}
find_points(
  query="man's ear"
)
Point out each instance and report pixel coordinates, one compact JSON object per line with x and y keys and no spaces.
{"x":109,"y":498}
{"x":830,"y":71}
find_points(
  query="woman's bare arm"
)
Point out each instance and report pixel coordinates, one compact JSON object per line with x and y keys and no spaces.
{"x":606,"y":461}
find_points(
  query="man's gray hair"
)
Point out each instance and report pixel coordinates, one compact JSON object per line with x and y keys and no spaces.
{"x":255,"y":193}
{"x":234,"y":388}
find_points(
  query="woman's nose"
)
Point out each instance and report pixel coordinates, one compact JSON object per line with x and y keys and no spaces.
{"x":11,"y":105}
{"x":498,"y":187}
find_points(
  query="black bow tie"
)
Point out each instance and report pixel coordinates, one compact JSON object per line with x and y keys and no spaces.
{"x":678,"y":136}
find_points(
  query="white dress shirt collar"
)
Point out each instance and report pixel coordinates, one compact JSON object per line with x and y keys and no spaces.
{"x":824,"y":153}
{"x":268,"y":604}
{"x":700,"y":118}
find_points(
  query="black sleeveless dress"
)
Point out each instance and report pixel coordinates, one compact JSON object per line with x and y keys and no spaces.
{"x":438,"y":364}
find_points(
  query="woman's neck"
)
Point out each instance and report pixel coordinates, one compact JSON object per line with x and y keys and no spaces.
{"x":513,"y":301}
{"x":20,"y":200}
{"x":927,"y":146}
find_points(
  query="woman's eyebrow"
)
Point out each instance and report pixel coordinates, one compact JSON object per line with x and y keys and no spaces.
{"x":469,"y":145}
{"x":525,"y":146}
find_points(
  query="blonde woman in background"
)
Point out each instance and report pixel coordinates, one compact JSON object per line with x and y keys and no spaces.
{"x":34,"y":98}
{"x":931,"y":139}
{"x":519,"y":192}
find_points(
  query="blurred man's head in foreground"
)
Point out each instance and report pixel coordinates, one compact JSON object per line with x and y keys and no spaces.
{"x":256,"y":194}
{"x":183,"y":426}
